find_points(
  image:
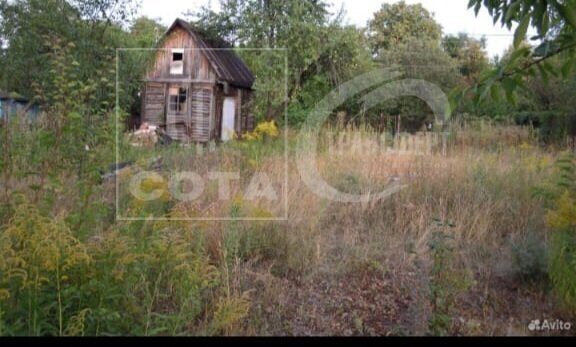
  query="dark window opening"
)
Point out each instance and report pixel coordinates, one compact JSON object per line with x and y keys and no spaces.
{"x":177,"y":64}
{"x":177,"y":100}
{"x":177,"y":56}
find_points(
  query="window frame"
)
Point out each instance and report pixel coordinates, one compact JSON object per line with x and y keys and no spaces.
{"x":178,"y":103}
{"x":176,"y":66}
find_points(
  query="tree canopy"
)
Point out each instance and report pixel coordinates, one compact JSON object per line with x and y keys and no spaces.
{"x":398,"y":22}
{"x":30,"y":27}
{"x":320,"y":50}
{"x":555,"y":24}
{"x":469,"y":52}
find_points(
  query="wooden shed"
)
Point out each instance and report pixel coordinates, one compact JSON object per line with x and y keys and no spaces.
{"x":14,"y":105}
{"x":198,"y":90}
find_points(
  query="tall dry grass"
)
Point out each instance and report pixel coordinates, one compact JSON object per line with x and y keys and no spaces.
{"x":430,"y":258}
{"x":479,"y":186}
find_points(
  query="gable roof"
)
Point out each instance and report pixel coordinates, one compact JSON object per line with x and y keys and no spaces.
{"x":228,"y":66}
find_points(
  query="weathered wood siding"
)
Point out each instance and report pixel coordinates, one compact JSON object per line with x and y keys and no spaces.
{"x":178,"y":132}
{"x":201,"y":111}
{"x":244,"y":121}
{"x":244,"y":114}
{"x":219,"y":104}
{"x":199,"y":77}
{"x":247,"y":106}
{"x":197,"y":68}
{"x":202,"y":120}
{"x":154,"y":103}
{"x":177,"y":124}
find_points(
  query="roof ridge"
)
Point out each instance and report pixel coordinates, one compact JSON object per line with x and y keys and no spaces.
{"x":228,"y":65}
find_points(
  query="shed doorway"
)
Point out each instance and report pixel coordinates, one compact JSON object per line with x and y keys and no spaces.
{"x":177,"y":115}
{"x":228,"y":118}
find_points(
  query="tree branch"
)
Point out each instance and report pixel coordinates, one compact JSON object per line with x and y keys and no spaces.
{"x":535,"y":62}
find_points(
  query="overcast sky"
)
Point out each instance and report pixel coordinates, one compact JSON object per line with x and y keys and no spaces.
{"x":453,"y":15}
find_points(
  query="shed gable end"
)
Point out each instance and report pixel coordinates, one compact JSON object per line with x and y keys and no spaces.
{"x":195,"y":65}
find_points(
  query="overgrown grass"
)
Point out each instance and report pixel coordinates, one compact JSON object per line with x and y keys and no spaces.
{"x":66,"y":270}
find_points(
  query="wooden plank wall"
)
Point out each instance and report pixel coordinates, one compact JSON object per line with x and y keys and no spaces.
{"x":244,"y":114}
{"x":218,"y":105}
{"x":204,"y":119}
{"x":196,"y":65}
{"x":178,"y":132}
{"x":205,"y":98}
{"x":235,"y":92}
{"x":201,"y":107}
{"x":176,"y":124}
{"x":247,"y":101}
{"x":154,"y":103}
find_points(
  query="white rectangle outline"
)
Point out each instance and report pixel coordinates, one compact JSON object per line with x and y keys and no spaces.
{"x":286,"y":171}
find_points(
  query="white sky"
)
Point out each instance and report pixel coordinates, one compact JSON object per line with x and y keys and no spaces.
{"x":453,"y":15}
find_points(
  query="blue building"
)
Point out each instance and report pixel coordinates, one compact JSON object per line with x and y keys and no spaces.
{"x":14,"y":105}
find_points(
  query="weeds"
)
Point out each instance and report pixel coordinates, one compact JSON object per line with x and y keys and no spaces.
{"x":530,"y":258}
{"x":447,"y":281}
{"x":74,"y":270}
{"x":561,"y":219}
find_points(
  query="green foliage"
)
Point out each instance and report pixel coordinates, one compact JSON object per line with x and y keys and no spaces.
{"x":416,"y":59}
{"x":530,"y":258}
{"x":321,"y":51}
{"x":407,"y":36}
{"x":39,"y":255}
{"x":229,"y":312}
{"x":94,"y":31}
{"x":469,"y":52}
{"x":146,"y":32}
{"x":24,"y":58}
{"x":555,"y":23}
{"x":555,"y":126}
{"x":563,"y":264}
{"x":395,"y":23}
{"x":532,"y":100}
{"x":561,"y":220}
{"x":89,"y":25}
{"x":445,"y":285}
{"x":118,"y":283}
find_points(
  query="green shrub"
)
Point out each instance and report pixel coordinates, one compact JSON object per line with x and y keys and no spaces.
{"x":553,"y":126}
{"x":530,"y":258}
{"x":447,"y":281}
{"x":561,"y":220}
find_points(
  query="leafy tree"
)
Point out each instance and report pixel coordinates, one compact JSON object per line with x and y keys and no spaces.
{"x":553,"y":57}
{"x":555,"y":24}
{"x":24,"y":25}
{"x":550,"y":93}
{"x":469,"y":52}
{"x":398,"y":22}
{"x":146,"y":32}
{"x":28,"y":25}
{"x":224,"y":24}
{"x":418,"y":59}
{"x":107,"y":11}
{"x":408,"y":37}
{"x":345,"y":56}
{"x":321,"y":52}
